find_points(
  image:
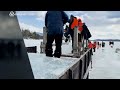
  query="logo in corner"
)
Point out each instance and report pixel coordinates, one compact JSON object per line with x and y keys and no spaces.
{"x":12,"y":14}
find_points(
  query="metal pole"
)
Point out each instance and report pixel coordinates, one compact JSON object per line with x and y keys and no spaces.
{"x":79,"y":43}
{"x":82,"y":51}
{"x":75,"y":43}
{"x":44,"y":38}
{"x":41,"y":47}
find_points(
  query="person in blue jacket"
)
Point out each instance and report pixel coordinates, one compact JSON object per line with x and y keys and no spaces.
{"x":54,"y":22}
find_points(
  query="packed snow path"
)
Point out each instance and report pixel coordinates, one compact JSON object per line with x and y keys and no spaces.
{"x":106,"y":63}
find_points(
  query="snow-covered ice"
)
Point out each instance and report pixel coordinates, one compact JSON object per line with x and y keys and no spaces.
{"x":49,"y":67}
{"x":106,"y":63}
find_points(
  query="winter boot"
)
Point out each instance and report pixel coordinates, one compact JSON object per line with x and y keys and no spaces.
{"x":72,"y":51}
{"x":57,"y":54}
{"x":48,"y":53}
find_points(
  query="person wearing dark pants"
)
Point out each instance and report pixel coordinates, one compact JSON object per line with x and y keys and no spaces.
{"x":72,"y":24}
{"x":94,"y":46}
{"x":54,"y":22}
{"x":58,"y":42}
{"x":48,"y":49}
{"x":94,"y":49}
{"x":71,"y":32}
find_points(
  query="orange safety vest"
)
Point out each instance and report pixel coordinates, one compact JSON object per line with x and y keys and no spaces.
{"x":94,"y":45}
{"x":74,"y":23}
{"x":90,"y":45}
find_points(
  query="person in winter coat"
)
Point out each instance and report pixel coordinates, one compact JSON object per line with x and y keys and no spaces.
{"x":103,"y":44}
{"x":72,"y":23}
{"x":69,"y":29}
{"x":66,"y":34}
{"x":85,"y":32}
{"x":54,"y":22}
{"x":80,"y":25}
{"x":100,"y":45}
{"x":80,"y":29}
{"x":94,"y":46}
{"x":90,"y":45}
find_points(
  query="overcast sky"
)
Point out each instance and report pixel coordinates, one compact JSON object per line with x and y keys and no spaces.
{"x":102,"y":24}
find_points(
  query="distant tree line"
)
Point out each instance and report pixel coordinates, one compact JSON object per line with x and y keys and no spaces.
{"x":31,"y":35}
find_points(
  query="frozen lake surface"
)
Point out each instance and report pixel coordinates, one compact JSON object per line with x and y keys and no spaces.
{"x":106,"y":62}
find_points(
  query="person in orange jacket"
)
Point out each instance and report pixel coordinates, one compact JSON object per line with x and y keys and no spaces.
{"x":73,"y":22}
{"x":80,"y":29}
{"x":90,"y":45}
